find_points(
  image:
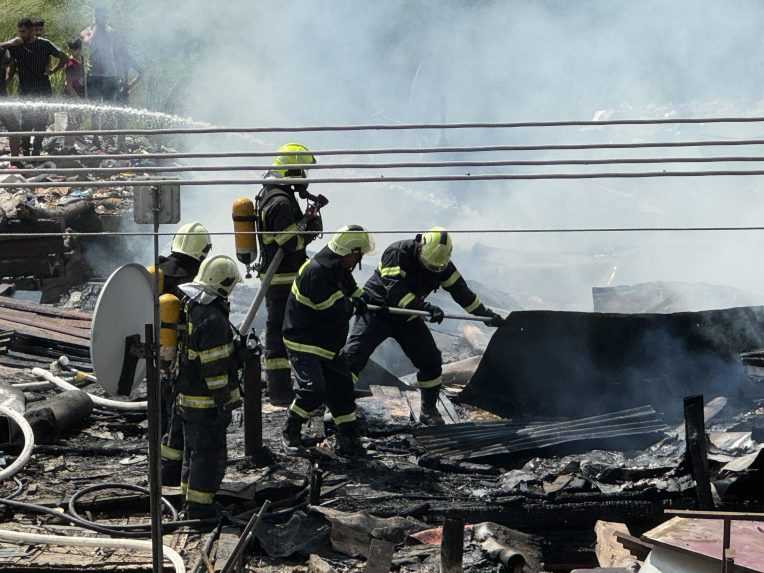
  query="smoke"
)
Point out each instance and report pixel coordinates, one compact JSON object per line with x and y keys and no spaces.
{"x":243,"y":63}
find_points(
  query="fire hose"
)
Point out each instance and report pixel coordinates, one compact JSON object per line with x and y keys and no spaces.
{"x":26,"y":452}
{"x":98,"y":542}
{"x":425,"y":314}
{"x":97,"y":400}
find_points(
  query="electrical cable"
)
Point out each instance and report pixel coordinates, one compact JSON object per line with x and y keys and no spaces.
{"x":386,"y":179}
{"x":394,"y":165}
{"x":19,"y":488}
{"x":65,"y":540}
{"x":494,"y":231}
{"x":394,"y":150}
{"x":110,"y":486}
{"x":386,"y":127}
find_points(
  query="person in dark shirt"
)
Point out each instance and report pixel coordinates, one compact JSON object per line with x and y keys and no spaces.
{"x":32,"y":57}
{"x":8,"y":118}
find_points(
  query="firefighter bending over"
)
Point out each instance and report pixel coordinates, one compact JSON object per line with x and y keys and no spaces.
{"x":181,"y":266}
{"x":278,"y":210}
{"x":409,"y":271}
{"x":323,"y":298}
{"x":208,"y":383}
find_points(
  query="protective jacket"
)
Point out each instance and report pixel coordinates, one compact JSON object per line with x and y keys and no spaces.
{"x":319,"y":307}
{"x":177,"y":269}
{"x":400,"y":280}
{"x":279,"y":210}
{"x":209,"y":366}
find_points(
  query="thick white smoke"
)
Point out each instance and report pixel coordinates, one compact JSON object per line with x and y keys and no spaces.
{"x":290,"y":63}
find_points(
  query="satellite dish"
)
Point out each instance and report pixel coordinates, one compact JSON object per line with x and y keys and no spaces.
{"x":124,"y":308}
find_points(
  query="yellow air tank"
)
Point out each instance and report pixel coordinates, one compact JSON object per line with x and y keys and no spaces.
{"x":169,"y":315}
{"x":244,"y":224}
{"x":152,"y":272}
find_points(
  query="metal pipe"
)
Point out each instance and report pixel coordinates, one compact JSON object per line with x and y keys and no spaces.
{"x":241,"y":546}
{"x":401,"y":150}
{"x":425,"y":314}
{"x":393,"y":165}
{"x":384,"y":179}
{"x":394,"y":127}
{"x":265,"y":283}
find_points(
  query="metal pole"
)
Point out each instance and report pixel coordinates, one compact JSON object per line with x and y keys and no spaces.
{"x":425,"y":314}
{"x":265,"y":283}
{"x":253,"y":407}
{"x":155,"y":409}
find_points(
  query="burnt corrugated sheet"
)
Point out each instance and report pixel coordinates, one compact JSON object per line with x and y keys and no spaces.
{"x":576,"y":364}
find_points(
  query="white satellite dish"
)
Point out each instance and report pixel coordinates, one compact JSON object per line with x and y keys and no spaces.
{"x":124,"y":308}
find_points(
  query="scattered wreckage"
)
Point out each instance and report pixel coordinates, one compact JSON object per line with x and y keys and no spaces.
{"x":542,"y":489}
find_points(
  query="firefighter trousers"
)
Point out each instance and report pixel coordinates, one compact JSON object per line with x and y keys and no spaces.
{"x":172,"y":441}
{"x":414,"y":337}
{"x":276,"y":364}
{"x":319,"y":382}
{"x":205,"y":453}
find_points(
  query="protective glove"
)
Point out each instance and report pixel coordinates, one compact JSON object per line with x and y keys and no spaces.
{"x":496,"y":319}
{"x":360,"y":307}
{"x":436,"y":313}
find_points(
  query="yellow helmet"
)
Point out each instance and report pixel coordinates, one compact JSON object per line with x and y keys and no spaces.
{"x":352,"y":239}
{"x":219,"y":274}
{"x":435,"y":249}
{"x":302,"y":156}
{"x":196,"y":245}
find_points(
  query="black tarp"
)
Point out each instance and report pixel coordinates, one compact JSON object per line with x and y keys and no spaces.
{"x":546,"y":363}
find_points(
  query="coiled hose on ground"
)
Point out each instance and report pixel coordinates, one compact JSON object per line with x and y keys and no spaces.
{"x":26,"y":451}
{"x":34,"y":538}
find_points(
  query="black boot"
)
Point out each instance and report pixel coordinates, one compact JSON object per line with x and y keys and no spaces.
{"x":279,"y":384}
{"x":202,"y":510}
{"x":349,"y":441}
{"x":429,"y":415}
{"x":292,"y":433}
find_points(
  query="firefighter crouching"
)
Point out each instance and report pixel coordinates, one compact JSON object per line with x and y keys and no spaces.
{"x":190,"y":246}
{"x":208,"y":383}
{"x":408,"y":272}
{"x":278,"y":210}
{"x":323,"y":298}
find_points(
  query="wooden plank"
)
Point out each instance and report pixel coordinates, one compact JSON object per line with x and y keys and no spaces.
{"x":452,"y":546}
{"x":395,"y":404}
{"x":610,"y":553}
{"x":695,"y":436}
{"x":34,"y":331}
{"x":733,"y":515}
{"x":447,"y":410}
{"x":45,"y":321}
{"x":44,"y":310}
{"x":703,"y":537}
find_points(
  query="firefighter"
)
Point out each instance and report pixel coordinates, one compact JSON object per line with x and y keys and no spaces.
{"x":408,"y":272}
{"x":279,"y":210}
{"x":208,"y":382}
{"x":323,"y":298}
{"x":181,"y":266}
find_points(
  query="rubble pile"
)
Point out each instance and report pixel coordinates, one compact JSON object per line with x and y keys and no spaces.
{"x":54,"y":264}
{"x":572,"y":498}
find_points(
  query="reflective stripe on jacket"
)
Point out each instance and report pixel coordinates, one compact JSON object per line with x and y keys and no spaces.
{"x":319,"y":307}
{"x":209,"y":363}
{"x":400,"y":280}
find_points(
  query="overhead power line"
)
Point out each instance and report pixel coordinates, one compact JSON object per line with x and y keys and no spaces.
{"x":385,"y":179}
{"x":495,"y":231}
{"x":393,"y":165}
{"x":399,"y":126}
{"x":393,"y":150}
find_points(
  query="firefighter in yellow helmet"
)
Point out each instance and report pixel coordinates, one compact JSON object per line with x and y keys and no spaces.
{"x":190,"y":246}
{"x":408,"y":272}
{"x":208,"y":382}
{"x":323,"y":298}
{"x":278,"y":209}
